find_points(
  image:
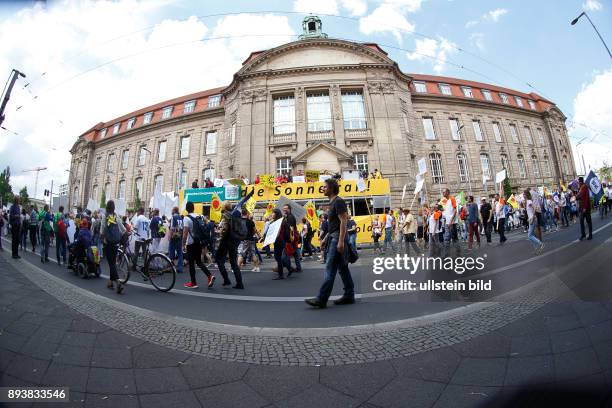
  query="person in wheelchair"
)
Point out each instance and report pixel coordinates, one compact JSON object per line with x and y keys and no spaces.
{"x":78,"y":249}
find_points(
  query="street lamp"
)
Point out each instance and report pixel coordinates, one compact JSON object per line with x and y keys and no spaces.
{"x":574,"y":21}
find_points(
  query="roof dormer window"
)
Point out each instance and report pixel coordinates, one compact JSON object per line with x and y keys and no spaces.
{"x":102,"y":133}
{"x":420,"y":87}
{"x":467,"y":91}
{"x":445,"y":89}
{"x":167,"y":112}
{"x":116,"y":128}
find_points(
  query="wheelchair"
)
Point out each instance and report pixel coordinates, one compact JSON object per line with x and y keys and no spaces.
{"x":88,"y":265}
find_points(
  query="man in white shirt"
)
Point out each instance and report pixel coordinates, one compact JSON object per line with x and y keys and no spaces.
{"x":500,"y":214}
{"x":450,"y":221}
{"x":563,"y":210}
{"x":141,"y":227}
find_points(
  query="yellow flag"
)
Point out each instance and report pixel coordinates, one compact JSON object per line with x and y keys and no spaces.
{"x":269,"y":210}
{"x":311,"y":215}
{"x":512,"y":201}
{"x":250,"y":205}
{"x":215,"y":208}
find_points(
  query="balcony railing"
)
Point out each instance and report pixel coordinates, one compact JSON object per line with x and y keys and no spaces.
{"x":284,"y":139}
{"x":352,"y":135}
{"x":320,"y":136}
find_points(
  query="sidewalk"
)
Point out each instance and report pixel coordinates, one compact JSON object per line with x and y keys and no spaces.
{"x":562,"y":349}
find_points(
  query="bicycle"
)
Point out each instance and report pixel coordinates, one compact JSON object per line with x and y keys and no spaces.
{"x":157,"y":268}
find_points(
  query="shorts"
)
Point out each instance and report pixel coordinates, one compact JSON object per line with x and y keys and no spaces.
{"x":245,"y":248}
{"x":420,"y":232}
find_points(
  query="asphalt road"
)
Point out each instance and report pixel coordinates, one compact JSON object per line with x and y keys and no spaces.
{"x":583,"y":266}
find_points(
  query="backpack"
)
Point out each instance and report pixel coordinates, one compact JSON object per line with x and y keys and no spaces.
{"x":113,"y":235}
{"x":199,"y":230}
{"x":239,"y":229}
{"x":61,"y":229}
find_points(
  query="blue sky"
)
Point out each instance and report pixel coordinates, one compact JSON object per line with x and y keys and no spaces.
{"x":508,"y":43}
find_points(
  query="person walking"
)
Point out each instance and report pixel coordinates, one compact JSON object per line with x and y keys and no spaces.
{"x":228,"y":247}
{"x":279,"y":243}
{"x":563,"y":209}
{"x":472,"y":221}
{"x":15,"y":224}
{"x":142,"y":226}
{"x":486,"y":215}
{"x":335,"y":246}
{"x":156,"y":223}
{"x":500,"y":214}
{"x":351,"y":230}
{"x":389,"y":224}
{"x":23,"y":232}
{"x":433,"y":229}
{"x":450,"y":222}
{"x":33,"y":228}
{"x":584,"y":209}
{"x":59,"y":228}
{"x":323,"y":226}
{"x":192,"y":245}
{"x":111,"y":231}
{"x":46,"y":226}
{"x":247,"y":248}
{"x":293,"y":240}
{"x":409,"y":229}
{"x":531,"y":220}
{"x":175,"y":248}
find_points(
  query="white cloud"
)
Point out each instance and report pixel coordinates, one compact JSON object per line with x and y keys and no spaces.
{"x":490,"y":16}
{"x":593,"y":120}
{"x":316,"y":6}
{"x":436,"y":51}
{"x":477,"y":40}
{"x":471,"y":23}
{"x":66,"y":39}
{"x":390,"y":16}
{"x":592,"y":5}
{"x":355,"y":7}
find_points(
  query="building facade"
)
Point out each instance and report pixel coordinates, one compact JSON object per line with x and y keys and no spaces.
{"x":325,"y":104}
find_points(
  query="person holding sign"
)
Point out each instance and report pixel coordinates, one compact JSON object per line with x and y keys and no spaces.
{"x":334,"y":246}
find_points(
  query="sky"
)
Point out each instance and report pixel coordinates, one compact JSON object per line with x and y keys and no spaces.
{"x":91,"y":61}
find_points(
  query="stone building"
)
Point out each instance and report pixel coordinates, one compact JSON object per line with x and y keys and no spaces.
{"x":325,"y":104}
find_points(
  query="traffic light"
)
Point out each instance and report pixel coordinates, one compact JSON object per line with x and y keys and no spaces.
{"x":46,"y":193}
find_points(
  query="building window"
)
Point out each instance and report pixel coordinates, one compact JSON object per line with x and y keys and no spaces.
{"x":477,"y":131}
{"x":503,"y":97}
{"x":211,"y":142}
{"x":430,"y":134}
{"x":109,"y":163}
{"x":514,"y":134}
{"x":189,"y":107}
{"x":284,"y":115}
{"x":124,"y":159}
{"x":147,"y":118}
{"x":158,"y":184}
{"x":467,"y":91}
{"x":102,"y":133}
{"x":531,"y":104}
{"x":521,"y":166}
{"x":97,"y":165}
{"x":454,"y":127}
{"x":183,"y":179}
{"x":420,"y":87}
{"x":463,"y":168}
{"x":166,"y":112}
{"x":121,"y":190}
{"x":214,"y":101}
{"x":208,"y":173}
{"x":546,"y":165}
{"x":540,"y":136}
{"x":435,"y":162}
{"x":184,"y":152}
{"x":353,"y":110}
{"x":283,"y":165}
{"x":107,"y":191}
{"x":445,"y":89}
{"x":361,"y":161}
{"x":487,"y":94}
{"x":536,"y":166}
{"x":233,"y":134}
{"x":94,"y":193}
{"x":505,"y":164}
{"x":130,"y":123}
{"x":519,"y":101}
{"x":161,"y":151}
{"x":75,"y":197}
{"x":528,"y":135}
{"x":485,"y":166}
{"x":319,"y":112}
{"x":116,"y":128}
{"x":138,"y":189}
{"x":497,"y":132}
{"x":142,"y":155}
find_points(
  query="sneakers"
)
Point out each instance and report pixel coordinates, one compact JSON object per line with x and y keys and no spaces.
{"x":315,"y":302}
{"x":190,"y":285}
{"x":119,"y":288}
{"x":211,"y":281}
{"x":540,"y":248}
{"x":344,"y":300}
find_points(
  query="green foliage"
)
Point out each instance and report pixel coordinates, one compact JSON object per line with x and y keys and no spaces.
{"x":137,"y":202}
{"x":6,"y":191}
{"x":507,"y":188}
{"x":103,"y":199}
{"x":605,"y":172}
{"x":24,"y":197}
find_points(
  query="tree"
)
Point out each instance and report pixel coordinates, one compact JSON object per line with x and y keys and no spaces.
{"x":6,"y":191}
{"x":23,"y":196}
{"x":507,"y":187}
{"x":605,"y":172}
{"x":137,"y":202}
{"x":103,"y":199}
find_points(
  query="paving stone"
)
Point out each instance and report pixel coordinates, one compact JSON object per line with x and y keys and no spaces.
{"x":151,"y":355}
{"x":74,"y":355}
{"x":231,"y":395}
{"x":404,"y":391}
{"x":530,"y":370}
{"x":111,"y":381}
{"x":183,"y":399}
{"x":480,"y":371}
{"x":61,"y":375}
{"x":604,"y":353}
{"x":5,"y":358}
{"x":27,"y":368}
{"x":205,"y":372}
{"x":11,"y":341}
{"x":22,"y":328}
{"x":79,"y":339}
{"x":456,"y":396}
{"x":570,"y":340}
{"x":87,"y":325}
{"x":530,"y":345}
{"x":53,"y":335}
{"x":277,"y":383}
{"x":319,"y":396}
{"x":600,"y":332}
{"x":592,"y":313}
{"x":358,"y":380}
{"x":39,"y":349}
{"x":111,"y":358}
{"x":575,"y":364}
{"x":488,"y":345}
{"x":563,"y":322}
{"x":115,"y":339}
{"x":159,"y":380}
{"x":437,"y":365}
{"x":111,"y":401}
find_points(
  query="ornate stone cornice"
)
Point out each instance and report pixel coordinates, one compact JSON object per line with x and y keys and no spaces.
{"x":381,"y":87}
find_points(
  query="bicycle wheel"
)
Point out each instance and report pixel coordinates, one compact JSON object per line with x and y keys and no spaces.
{"x":123,"y":267}
{"x":161,"y":272}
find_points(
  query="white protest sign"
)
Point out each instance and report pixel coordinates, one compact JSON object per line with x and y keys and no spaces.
{"x":323,"y":177}
{"x":404,"y":192}
{"x":120,"y":207}
{"x":232,"y":192}
{"x":218,"y":182}
{"x":419,"y":186}
{"x":71,"y":230}
{"x":361,"y":185}
{"x":92,"y":205}
{"x":299,"y":179}
{"x":272,"y":232}
{"x":422,"y":166}
{"x":500,"y":176}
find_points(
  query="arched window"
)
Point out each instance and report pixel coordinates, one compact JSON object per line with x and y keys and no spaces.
{"x":435,"y":161}
{"x":158,"y":184}
{"x":138,"y":190}
{"x":535,"y":165}
{"x":75,"y":197}
{"x":565,"y":166}
{"x":107,"y":191}
{"x":485,"y":165}
{"x":121,"y":190}
{"x":94,"y":192}
{"x":521,"y":166}
{"x":208,"y":173}
{"x":546,"y":165}
{"x":464,"y":175}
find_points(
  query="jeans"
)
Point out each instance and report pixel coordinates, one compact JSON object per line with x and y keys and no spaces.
{"x":409,"y":241}
{"x":194,"y":256}
{"x":531,"y":236}
{"x":487,"y":229}
{"x":563,"y":214}
{"x":33,"y":239}
{"x":586,"y":216}
{"x":175,"y":251}
{"x":450,"y":235}
{"x":138,"y":246}
{"x":389,"y":238}
{"x":279,"y":250}
{"x":287,"y":259}
{"x":335,"y":263}
{"x":227,"y":247}
{"x":15,"y":239}
{"x":23,"y":238}
{"x":353,"y":241}
{"x":45,"y":238}
{"x":473,"y":230}
{"x":60,"y":248}
{"x":501,"y":229}
{"x":110,"y":251}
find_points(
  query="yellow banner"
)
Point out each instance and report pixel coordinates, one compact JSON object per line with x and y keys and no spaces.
{"x":308,"y":191}
{"x":215,"y":208}
{"x":312,"y":175}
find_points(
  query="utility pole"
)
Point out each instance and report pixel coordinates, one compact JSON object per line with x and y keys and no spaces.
{"x":11,"y":82}
{"x":37,"y":170}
